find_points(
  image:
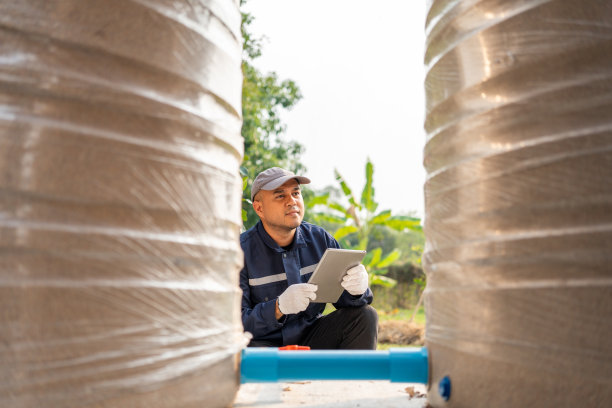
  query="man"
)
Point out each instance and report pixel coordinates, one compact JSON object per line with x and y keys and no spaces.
{"x":281,"y":252}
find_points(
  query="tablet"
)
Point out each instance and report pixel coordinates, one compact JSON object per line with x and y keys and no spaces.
{"x":330,"y":270}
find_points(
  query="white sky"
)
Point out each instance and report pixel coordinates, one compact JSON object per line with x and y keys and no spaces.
{"x":359,"y":65}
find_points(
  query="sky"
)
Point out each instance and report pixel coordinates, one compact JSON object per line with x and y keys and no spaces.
{"x":359,"y":65}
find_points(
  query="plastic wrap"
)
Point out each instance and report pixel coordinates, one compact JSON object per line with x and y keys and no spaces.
{"x":119,"y":203}
{"x":518,"y":196}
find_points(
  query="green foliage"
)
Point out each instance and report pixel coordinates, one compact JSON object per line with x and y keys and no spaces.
{"x":264,"y":98}
{"x":402,"y":315}
{"x":245,"y":200}
{"x":358,"y":225}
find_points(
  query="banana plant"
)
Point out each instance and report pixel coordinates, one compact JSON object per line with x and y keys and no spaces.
{"x":356,"y":221}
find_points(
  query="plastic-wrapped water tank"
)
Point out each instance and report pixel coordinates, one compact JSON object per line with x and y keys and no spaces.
{"x":120,"y":203}
{"x":519,"y":202}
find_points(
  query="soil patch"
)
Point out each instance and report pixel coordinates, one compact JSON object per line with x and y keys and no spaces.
{"x":401,"y":332}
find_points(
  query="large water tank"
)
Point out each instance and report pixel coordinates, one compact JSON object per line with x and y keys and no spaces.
{"x":119,"y":203}
{"x":519,"y":203}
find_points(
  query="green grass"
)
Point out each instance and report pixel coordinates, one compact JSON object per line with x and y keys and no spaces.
{"x":328,"y":309}
{"x":395,"y":314}
{"x":402,"y":314}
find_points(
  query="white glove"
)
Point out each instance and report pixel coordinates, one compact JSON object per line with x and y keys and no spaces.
{"x":355,"y":281}
{"x":296,"y":298}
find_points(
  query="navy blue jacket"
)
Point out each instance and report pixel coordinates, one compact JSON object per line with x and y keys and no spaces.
{"x":269,"y":269}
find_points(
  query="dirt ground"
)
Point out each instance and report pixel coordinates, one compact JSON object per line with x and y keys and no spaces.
{"x":331,"y":394}
{"x":401,"y":332}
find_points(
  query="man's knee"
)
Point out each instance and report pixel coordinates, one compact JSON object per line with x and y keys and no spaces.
{"x":364,"y":331}
{"x":370,"y":314}
{"x":366,"y":314}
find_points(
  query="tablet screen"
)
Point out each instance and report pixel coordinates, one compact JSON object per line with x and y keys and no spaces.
{"x":330,"y":270}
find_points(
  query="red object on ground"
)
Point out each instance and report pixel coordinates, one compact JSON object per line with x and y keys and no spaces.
{"x":294,"y":347}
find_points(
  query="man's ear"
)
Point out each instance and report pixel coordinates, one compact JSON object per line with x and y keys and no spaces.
{"x":257,"y":206}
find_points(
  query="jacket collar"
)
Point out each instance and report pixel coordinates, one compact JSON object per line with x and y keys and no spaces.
{"x":298,"y":238}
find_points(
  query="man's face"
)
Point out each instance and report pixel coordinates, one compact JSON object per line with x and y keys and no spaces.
{"x":282,"y":208}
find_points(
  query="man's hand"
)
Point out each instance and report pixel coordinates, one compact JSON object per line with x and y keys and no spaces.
{"x":296,"y":298}
{"x":355,"y":281}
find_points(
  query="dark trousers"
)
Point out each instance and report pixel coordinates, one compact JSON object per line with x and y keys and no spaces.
{"x":346,"y":328}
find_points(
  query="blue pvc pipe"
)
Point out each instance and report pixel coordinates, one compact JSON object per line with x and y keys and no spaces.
{"x":272,"y":365}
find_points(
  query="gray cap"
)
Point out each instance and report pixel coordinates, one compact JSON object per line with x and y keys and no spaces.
{"x":272,"y":178}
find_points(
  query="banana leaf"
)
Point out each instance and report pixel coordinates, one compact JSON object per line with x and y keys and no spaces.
{"x":344,"y":231}
{"x":367,"y":195}
{"x":389,"y":259}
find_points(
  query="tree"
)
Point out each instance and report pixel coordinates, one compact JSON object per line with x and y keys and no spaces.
{"x":264,"y":97}
{"x":356,"y":223}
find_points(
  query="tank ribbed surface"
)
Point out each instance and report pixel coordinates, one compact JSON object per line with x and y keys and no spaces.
{"x":518,"y":196}
{"x":120,"y":203}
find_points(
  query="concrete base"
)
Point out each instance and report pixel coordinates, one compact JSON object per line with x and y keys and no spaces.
{"x":331,"y":394}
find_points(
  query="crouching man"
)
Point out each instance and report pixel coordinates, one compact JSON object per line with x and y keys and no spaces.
{"x":280,"y":254}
